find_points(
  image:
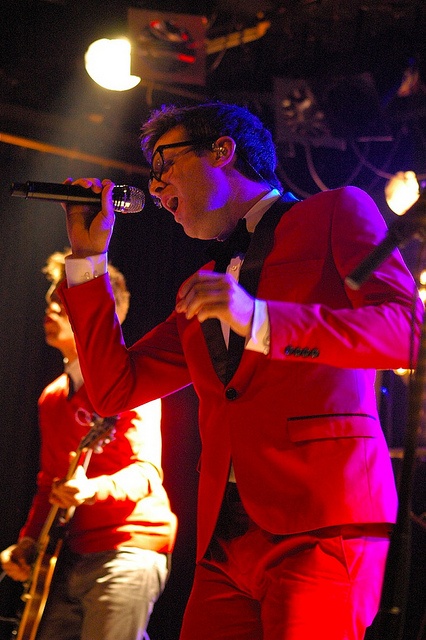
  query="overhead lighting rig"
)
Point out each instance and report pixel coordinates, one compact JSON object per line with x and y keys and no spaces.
{"x":162,"y":47}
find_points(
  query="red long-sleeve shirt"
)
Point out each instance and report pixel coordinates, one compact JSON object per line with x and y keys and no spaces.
{"x":132,"y":507}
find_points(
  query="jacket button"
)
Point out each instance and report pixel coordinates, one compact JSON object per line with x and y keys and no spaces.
{"x":231,"y":393}
{"x":315,"y":353}
{"x":288,"y":350}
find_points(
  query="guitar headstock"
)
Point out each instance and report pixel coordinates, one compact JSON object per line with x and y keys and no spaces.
{"x":102,"y":430}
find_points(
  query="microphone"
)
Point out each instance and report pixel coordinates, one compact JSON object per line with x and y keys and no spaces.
{"x":125,"y":199}
{"x":412,"y":223}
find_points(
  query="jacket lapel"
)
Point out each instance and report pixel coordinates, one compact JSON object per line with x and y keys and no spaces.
{"x":226,"y":361}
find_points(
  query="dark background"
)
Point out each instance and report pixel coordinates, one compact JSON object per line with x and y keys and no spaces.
{"x":55,"y":122}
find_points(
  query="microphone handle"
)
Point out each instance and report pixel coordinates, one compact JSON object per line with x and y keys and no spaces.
{"x":411,"y":224}
{"x":363,"y":271}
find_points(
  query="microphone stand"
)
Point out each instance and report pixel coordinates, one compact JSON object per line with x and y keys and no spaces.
{"x":391,"y":616}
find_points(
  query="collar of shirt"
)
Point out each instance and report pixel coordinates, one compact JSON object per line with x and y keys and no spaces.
{"x":257,"y":211}
{"x":252,"y":217}
{"x":74,"y":371}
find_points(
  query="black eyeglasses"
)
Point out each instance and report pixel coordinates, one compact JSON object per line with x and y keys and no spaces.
{"x":159,"y":165}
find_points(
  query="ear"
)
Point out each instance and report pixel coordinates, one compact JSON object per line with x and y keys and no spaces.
{"x":224,"y":150}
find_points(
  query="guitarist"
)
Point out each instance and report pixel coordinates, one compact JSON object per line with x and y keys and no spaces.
{"x":113,"y":564}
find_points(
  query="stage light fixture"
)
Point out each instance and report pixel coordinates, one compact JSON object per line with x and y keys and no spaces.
{"x":329,"y":111}
{"x":168,"y":47}
{"x":108,"y":63}
{"x":299,"y":115}
{"x":402,"y":191}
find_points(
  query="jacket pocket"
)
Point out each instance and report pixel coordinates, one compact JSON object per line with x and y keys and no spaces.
{"x":326,"y":426}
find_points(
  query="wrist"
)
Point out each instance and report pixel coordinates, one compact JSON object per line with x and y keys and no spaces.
{"x":82,"y":269}
{"x":91,"y":491}
{"x":78,"y":254}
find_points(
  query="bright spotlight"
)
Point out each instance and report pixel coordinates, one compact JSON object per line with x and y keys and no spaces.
{"x":108,"y":64}
{"x":402,"y":191}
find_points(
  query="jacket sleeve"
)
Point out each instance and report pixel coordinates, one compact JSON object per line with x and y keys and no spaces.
{"x":377,"y":326}
{"x":117,"y":378}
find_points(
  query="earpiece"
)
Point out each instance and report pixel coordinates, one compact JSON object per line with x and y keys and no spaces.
{"x":220,"y":151}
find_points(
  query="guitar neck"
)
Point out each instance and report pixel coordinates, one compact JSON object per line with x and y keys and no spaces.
{"x":57,"y":515}
{"x":51,"y":537}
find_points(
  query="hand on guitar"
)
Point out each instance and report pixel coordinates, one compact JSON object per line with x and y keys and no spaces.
{"x":73,"y":492}
{"x":17,"y":560}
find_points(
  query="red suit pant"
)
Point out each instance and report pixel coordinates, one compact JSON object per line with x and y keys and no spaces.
{"x":253,"y":585}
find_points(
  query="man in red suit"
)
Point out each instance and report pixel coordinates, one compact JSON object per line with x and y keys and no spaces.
{"x":296,"y":492}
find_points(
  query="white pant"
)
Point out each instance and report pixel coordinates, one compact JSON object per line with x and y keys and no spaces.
{"x":103,"y":596}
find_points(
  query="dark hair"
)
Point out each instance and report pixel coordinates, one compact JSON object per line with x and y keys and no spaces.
{"x":256,"y":155}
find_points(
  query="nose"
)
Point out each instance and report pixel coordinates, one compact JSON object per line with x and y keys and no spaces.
{"x":154,"y":183}
{"x":155,"y":191}
{"x":53,"y":307}
{"x":52,"y":295}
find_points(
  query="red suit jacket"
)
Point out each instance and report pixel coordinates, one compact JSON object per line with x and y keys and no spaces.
{"x":300,"y":424}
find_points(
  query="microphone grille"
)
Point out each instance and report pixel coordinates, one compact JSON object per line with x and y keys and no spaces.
{"x":128,"y":199}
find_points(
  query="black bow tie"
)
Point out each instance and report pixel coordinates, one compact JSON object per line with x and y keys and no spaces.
{"x":237,"y":243}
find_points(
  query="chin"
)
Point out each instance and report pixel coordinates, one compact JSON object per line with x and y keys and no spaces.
{"x":51,"y":341}
{"x":191,"y":233}
{"x":199,"y":234}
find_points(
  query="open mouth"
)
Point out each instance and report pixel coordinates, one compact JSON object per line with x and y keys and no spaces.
{"x":172,"y":204}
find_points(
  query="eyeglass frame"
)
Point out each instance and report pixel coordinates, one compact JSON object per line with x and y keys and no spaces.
{"x":158,"y":174}
{"x":192,"y":144}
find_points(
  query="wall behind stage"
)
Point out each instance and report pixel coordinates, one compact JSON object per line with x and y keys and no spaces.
{"x":155,"y":256}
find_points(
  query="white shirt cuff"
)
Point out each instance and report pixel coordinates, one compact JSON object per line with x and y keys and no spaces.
{"x":79,"y":270}
{"x":260,"y":331}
